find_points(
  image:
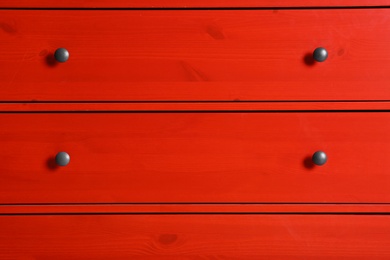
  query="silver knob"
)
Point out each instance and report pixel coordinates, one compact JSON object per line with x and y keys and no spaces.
{"x":62,"y":158}
{"x":319,"y":158}
{"x":320,"y":54}
{"x":61,"y":55}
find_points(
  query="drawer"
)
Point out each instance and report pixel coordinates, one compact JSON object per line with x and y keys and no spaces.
{"x":195,"y":237}
{"x":194,"y":157}
{"x":201,"y":55}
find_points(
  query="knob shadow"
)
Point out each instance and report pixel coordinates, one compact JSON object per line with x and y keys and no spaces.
{"x":308,"y":59}
{"x":308,"y":163}
{"x":50,"y":60}
{"x":51,"y":163}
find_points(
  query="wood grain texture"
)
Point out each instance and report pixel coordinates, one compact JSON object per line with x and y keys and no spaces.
{"x":194,"y":157}
{"x":189,"y":3}
{"x":195,"y":55}
{"x":193,"y":106}
{"x":195,"y":237}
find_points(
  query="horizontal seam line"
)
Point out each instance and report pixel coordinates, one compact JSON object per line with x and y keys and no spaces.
{"x":193,"y":8}
{"x":196,"y":213}
{"x":192,"y":101}
{"x":194,"y":203}
{"x":193,"y":111}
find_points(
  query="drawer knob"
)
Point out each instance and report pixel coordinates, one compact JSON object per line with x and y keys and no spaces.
{"x":61,"y":55}
{"x":319,"y":158}
{"x":62,"y":158}
{"x":320,"y":54}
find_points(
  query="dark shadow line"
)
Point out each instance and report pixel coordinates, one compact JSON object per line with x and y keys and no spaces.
{"x":191,"y":8}
{"x":188,"y":101}
{"x":192,"y":203}
{"x":193,"y":111}
{"x":193,"y":213}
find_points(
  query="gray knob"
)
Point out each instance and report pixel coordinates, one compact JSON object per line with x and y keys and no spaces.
{"x":62,"y":158}
{"x":319,"y":158}
{"x":61,"y":55}
{"x":320,"y":54}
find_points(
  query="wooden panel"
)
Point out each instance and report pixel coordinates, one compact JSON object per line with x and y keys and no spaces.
{"x":194,"y":157}
{"x":195,"y":55}
{"x":195,"y":237}
{"x":189,"y":3}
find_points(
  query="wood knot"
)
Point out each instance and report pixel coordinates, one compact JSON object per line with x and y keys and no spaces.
{"x":215,"y":32}
{"x":167,"y":239}
{"x":8,"y":28}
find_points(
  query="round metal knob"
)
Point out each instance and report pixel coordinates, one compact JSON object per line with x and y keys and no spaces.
{"x":319,"y":158}
{"x":61,"y":55}
{"x":320,"y":54}
{"x":62,"y":158}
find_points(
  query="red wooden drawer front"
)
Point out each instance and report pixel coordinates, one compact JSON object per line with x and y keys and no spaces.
{"x":194,"y":157}
{"x":189,"y":3}
{"x":195,"y":55}
{"x":195,"y":237}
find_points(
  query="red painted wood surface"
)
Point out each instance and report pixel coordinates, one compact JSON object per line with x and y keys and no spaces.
{"x":172,"y":208}
{"x":194,"y":106}
{"x":195,"y":55}
{"x":190,"y":3}
{"x":194,"y":157}
{"x":195,"y":237}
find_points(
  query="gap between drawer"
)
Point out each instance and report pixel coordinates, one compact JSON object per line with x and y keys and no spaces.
{"x":334,"y":208}
{"x":270,"y":106}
